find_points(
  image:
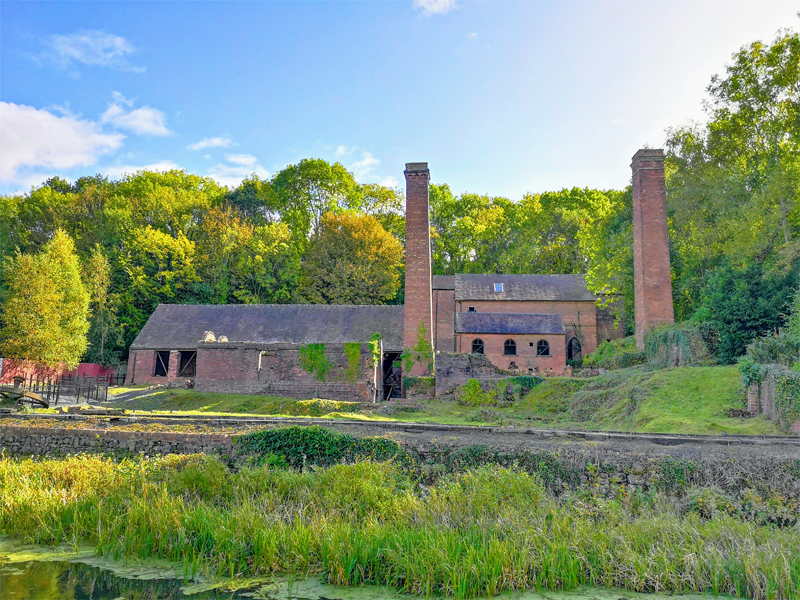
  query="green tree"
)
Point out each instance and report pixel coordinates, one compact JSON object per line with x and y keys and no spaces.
{"x":255,"y":200}
{"x":105,"y":332}
{"x":354,"y":261}
{"x":46,"y":306}
{"x":311,"y":188}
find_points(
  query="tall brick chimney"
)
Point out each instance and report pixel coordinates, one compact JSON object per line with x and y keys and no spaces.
{"x":651,"y":271}
{"x":418,"y":295}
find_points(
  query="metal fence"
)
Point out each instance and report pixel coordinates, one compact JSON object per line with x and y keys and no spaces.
{"x":70,"y":389}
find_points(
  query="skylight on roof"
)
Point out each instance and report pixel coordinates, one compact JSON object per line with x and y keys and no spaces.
{"x":498,"y":287}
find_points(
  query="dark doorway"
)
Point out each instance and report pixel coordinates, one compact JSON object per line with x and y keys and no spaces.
{"x":392,"y":375}
{"x":162,"y":363}
{"x":574,"y":349}
{"x":188,"y":366}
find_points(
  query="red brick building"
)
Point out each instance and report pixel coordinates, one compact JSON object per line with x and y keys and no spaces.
{"x":522,"y":323}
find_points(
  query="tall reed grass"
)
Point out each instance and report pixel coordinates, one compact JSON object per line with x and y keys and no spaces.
{"x":471,"y":534}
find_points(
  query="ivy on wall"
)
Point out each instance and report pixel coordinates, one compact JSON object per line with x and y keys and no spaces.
{"x":421,"y":353}
{"x":787,"y":387}
{"x":314,"y":361}
{"x":353,"y":352}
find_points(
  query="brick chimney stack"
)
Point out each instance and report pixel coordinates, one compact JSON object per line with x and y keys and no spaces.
{"x":418,"y":295}
{"x":652,"y":278}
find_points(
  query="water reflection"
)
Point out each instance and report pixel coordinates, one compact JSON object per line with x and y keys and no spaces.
{"x":58,"y":580}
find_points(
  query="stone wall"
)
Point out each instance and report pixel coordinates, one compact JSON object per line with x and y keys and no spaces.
{"x":46,"y":440}
{"x":454,"y":370}
{"x":275,"y":370}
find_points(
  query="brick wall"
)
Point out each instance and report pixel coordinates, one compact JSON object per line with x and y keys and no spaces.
{"x":444,"y":314}
{"x":142,"y":365}
{"x":526,"y":358}
{"x":275,"y":370}
{"x":418,"y":299}
{"x":651,"y":268}
{"x":580,"y":318}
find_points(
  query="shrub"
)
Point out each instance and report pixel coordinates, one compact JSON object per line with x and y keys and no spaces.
{"x":616,"y":354}
{"x":472,"y":394}
{"x":782,"y":349}
{"x":315,"y":445}
{"x":319,"y":407}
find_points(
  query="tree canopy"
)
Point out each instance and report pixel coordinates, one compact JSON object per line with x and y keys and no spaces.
{"x":312,"y":233}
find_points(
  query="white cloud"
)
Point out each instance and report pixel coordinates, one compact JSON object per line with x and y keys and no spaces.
{"x":241,"y":159}
{"x":142,"y":121}
{"x":390,"y":182}
{"x":215,"y":142}
{"x":231,"y":175}
{"x":435,"y":7}
{"x":34,"y":140}
{"x":615,"y":121}
{"x":115,"y":172}
{"x":95,"y":48}
{"x":472,"y":35}
{"x":363,"y":168}
{"x":342,"y":150}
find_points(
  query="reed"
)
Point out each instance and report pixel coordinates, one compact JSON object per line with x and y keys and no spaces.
{"x":479,"y":532}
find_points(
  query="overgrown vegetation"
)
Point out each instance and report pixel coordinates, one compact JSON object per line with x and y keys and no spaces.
{"x":314,"y":361}
{"x":616,"y":354}
{"x":682,"y":400}
{"x":471,"y":533}
{"x":353,"y":352}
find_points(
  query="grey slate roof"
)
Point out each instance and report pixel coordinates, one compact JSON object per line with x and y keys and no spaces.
{"x":181,"y":326}
{"x":444,"y":282}
{"x":509,"y":323}
{"x":560,"y":288}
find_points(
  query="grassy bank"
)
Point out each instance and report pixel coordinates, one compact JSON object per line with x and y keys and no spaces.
{"x":474,"y":533}
{"x":700,"y":400}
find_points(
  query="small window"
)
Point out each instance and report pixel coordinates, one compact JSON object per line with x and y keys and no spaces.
{"x":477,"y":346}
{"x":574,"y":349}
{"x":162,"y":364}
{"x":471,"y":309}
{"x":498,"y":287}
{"x":510,"y":348}
{"x":530,"y":344}
{"x":542,"y":348}
{"x":188,"y":366}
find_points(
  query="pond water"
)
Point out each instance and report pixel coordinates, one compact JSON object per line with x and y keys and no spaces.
{"x":38,"y":573}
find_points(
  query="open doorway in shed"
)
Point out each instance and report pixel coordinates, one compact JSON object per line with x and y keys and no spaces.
{"x":392,"y":376}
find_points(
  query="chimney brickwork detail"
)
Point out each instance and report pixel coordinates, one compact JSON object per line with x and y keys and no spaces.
{"x":418,"y":294}
{"x":652,"y":276}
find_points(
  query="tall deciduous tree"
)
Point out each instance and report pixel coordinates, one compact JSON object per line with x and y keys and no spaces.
{"x":310,"y":189}
{"x":105,"y":332}
{"x":354,"y":261}
{"x":46,"y":306}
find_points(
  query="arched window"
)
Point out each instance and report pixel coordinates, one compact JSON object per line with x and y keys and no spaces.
{"x":574,"y":349}
{"x":510,"y":348}
{"x":477,"y":346}
{"x":542,"y":348}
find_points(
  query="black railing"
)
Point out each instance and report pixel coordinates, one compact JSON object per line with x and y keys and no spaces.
{"x":70,"y":388}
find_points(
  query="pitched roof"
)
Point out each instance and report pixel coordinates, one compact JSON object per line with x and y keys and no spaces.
{"x":508,"y":323}
{"x":181,"y":326}
{"x":444,"y":282}
{"x":563,"y":288}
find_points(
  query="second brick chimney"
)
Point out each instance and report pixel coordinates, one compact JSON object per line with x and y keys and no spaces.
{"x":652,"y":278}
{"x":418,"y":304}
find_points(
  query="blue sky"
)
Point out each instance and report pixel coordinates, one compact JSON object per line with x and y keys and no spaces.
{"x":498,"y":97}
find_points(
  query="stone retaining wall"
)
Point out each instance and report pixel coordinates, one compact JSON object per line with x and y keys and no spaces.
{"x":46,"y":440}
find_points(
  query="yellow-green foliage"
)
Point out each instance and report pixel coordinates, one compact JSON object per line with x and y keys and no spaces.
{"x":46,"y":305}
{"x":471,"y":534}
{"x":314,"y":361}
{"x":472,"y":394}
{"x":353,"y":352}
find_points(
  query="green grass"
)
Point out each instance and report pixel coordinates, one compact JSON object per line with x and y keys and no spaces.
{"x":475,"y":533}
{"x":682,"y":400}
